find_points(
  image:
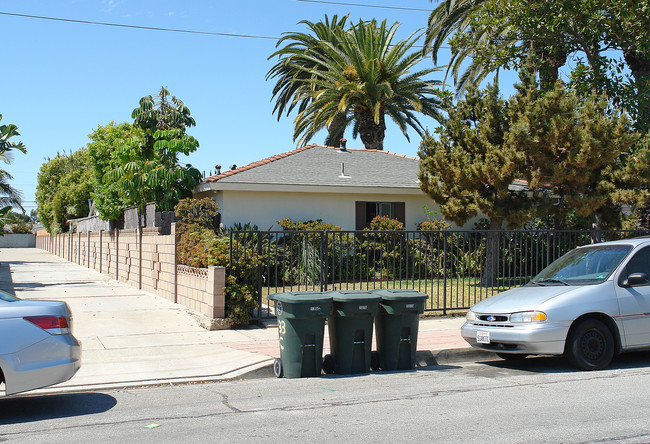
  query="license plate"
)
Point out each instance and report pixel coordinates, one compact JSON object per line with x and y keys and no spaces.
{"x":482,"y":337}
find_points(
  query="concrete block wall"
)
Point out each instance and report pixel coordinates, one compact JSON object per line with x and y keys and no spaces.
{"x":11,"y":240}
{"x":146,"y":260}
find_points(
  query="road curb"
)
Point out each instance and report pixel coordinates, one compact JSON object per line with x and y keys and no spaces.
{"x":423,"y":358}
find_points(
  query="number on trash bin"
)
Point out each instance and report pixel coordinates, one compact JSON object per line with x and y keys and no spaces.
{"x":282,"y":329}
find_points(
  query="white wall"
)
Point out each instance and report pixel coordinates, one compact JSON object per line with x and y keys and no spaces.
{"x":18,"y":241}
{"x":265,"y":208}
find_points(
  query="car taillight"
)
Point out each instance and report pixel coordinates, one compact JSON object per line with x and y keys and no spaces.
{"x":56,"y":325}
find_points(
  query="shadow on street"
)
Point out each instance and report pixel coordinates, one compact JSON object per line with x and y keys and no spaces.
{"x":555,"y":364}
{"x":23,"y":409}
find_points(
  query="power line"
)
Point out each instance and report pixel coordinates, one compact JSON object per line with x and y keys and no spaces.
{"x":186,"y":31}
{"x":366,"y":6}
{"x":148,"y":28}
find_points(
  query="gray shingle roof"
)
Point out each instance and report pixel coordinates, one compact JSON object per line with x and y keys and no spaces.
{"x":321,"y":165}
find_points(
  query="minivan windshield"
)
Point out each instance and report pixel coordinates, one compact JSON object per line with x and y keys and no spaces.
{"x":7,"y":297}
{"x":585,"y":265}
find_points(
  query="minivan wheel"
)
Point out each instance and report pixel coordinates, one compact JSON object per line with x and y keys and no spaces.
{"x":590,"y":345}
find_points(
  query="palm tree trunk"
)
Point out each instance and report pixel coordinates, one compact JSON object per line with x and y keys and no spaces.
{"x":336,"y":130}
{"x":372,"y":133}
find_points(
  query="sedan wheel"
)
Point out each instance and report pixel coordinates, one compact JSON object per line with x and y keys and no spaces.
{"x":590,"y":346}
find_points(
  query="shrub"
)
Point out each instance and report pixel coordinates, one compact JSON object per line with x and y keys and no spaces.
{"x":202,"y":212}
{"x":385,"y":223}
{"x":311,"y":225}
{"x":434,"y":225}
{"x":199,"y":246}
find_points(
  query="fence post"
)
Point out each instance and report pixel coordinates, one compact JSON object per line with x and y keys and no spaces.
{"x":444,"y":275}
{"x":323,"y":262}
{"x":259,"y":275}
{"x":101,"y":242}
{"x":140,"y":256}
{"x":173,"y":233}
{"x":88,"y":256}
{"x":117,"y":254}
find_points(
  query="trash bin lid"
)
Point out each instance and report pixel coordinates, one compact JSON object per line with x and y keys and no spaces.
{"x":354,"y":295}
{"x":396,"y":294}
{"x":294,"y":297}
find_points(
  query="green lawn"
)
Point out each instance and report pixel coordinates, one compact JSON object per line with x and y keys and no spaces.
{"x":449,"y":295}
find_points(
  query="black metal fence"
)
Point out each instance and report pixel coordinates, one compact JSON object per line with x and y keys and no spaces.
{"x":455,"y":268}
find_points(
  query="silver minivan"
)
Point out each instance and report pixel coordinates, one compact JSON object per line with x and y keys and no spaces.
{"x":588,"y":305}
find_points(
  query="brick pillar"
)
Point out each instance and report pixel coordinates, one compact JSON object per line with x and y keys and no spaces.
{"x":216,"y":283}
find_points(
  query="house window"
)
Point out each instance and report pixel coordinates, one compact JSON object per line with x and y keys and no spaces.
{"x":384,"y":209}
{"x":367,"y":211}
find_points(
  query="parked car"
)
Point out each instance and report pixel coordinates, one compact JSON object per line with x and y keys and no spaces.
{"x":590,"y":304}
{"x":37,"y":348}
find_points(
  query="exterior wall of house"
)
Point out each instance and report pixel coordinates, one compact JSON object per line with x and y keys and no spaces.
{"x":146,"y":260}
{"x":264,"y":209}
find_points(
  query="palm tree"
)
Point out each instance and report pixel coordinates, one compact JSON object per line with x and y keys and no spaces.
{"x":358,"y":76}
{"x":9,"y":196}
{"x":292,"y":70}
{"x":487,"y":24}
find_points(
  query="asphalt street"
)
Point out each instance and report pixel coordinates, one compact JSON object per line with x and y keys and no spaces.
{"x":536,"y":400}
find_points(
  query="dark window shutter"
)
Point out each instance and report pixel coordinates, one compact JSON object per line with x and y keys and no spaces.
{"x":360,"y":215}
{"x":400,"y":212}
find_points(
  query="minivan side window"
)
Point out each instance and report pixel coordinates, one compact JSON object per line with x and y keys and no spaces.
{"x":640,"y":262}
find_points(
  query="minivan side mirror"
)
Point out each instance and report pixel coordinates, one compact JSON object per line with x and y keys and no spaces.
{"x":635,"y":279}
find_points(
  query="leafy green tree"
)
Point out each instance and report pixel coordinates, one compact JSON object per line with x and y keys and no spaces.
{"x":468,"y":169}
{"x":106,"y":141}
{"x":148,"y":169}
{"x":9,"y":196}
{"x":503,"y":33}
{"x":19,"y":223}
{"x":357,"y":76}
{"x":64,"y":187}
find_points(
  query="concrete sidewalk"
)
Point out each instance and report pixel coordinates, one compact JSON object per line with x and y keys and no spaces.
{"x":131,"y":337}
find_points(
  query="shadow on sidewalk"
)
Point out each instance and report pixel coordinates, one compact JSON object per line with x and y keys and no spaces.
{"x":6,"y":283}
{"x":25,"y":409}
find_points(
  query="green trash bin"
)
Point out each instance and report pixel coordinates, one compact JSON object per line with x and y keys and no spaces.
{"x":301,"y":327}
{"x":350,"y":331}
{"x":396,"y":326}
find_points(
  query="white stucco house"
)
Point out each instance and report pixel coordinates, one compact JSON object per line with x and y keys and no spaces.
{"x":344,"y":187}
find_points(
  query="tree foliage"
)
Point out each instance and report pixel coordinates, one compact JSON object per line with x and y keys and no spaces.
{"x":65,"y":183}
{"x":575,"y":152}
{"x":470,"y":167}
{"x":9,"y":196}
{"x":293,"y":70}
{"x":147,"y":168}
{"x":106,"y":141}
{"x":577,"y":147}
{"x":496,"y":34}
{"x":353,"y":76}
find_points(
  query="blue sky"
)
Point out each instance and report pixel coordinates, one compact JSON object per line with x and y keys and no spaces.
{"x":61,"y":80}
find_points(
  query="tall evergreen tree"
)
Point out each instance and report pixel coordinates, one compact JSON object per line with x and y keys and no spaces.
{"x":470,"y":167}
{"x":578,"y":147}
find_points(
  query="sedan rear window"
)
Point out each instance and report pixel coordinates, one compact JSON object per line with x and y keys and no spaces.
{"x":587,"y":265}
{"x":7,"y":297}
